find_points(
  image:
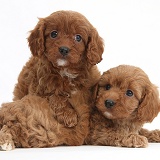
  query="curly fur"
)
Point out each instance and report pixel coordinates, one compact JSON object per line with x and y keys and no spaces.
{"x":120,"y":124}
{"x":53,"y":93}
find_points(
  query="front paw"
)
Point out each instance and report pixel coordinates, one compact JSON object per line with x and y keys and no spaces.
{"x":154,"y":136}
{"x":68,"y":118}
{"x":6,"y":142}
{"x":135,"y":140}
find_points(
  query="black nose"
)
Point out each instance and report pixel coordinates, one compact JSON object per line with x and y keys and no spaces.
{"x":64,"y":50}
{"x":109,"y":103}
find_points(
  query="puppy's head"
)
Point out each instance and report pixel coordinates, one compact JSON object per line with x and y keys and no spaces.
{"x":66,"y":38}
{"x":125,"y":92}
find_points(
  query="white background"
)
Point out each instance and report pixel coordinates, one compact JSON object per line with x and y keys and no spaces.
{"x":130,"y":29}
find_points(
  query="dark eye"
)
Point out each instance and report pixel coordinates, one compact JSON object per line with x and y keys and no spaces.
{"x":108,"y":86}
{"x":54,"y":34}
{"x":78,"y":38}
{"x":129,"y":93}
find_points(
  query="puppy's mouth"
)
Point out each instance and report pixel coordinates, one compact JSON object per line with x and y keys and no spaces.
{"x":62,"y":62}
{"x":115,"y":110}
{"x":64,"y":51}
{"x":110,"y":108}
{"x":108,"y":115}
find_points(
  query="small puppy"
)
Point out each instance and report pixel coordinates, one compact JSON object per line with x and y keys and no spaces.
{"x":126,"y":100}
{"x":53,"y":93}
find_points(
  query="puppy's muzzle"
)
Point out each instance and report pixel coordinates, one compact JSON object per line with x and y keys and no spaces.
{"x":64,"y":50}
{"x":109,"y":103}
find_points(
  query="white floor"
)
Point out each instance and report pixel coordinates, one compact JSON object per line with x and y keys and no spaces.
{"x":87,"y":152}
{"x":84,"y":153}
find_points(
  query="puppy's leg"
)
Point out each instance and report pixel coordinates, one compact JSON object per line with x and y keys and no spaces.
{"x":152,"y":136}
{"x":110,"y":137}
{"x":76,"y":135}
{"x":29,"y":123}
{"x":64,"y":113}
{"x":134,"y":140}
{"x":12,"y":122}
{"x":6,"y":142}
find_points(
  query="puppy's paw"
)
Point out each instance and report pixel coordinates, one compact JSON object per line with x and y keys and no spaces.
{"x":8,"y":146}
{"x":154,"y":136}
{"x":135,"y":140}
{"x":151,"y":135}
{"x":67,"y":117}
{"x":6,"y":142}
{"x":70,"y":120}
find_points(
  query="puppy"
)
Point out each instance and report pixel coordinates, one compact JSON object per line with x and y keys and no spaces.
{"x":53,"y":93}
{"x":126,"y":100}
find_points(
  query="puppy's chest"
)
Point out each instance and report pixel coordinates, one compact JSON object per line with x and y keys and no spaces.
{"x":58,"y":85}
{"x":125,"y":127}
{"x":66,"y":86}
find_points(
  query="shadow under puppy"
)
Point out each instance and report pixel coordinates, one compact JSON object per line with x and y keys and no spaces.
{"x":126,"y":100}
{"x":53,"y":93}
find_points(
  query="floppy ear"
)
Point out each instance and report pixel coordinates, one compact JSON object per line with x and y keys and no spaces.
{"x":94,"y":93}
{"x":95,"y":47}
{"x":36,"y":39}
{"x":150,"y":105}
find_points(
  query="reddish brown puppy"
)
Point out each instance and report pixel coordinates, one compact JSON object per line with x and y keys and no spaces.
{"x":126,"y":100}
{"x":53,"y":93}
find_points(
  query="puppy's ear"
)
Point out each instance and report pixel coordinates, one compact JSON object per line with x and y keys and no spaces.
{"x":36,"y":39}
{"x":150,"y":105}
{"x":94,"y":91}
{"x":95,"y":47}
